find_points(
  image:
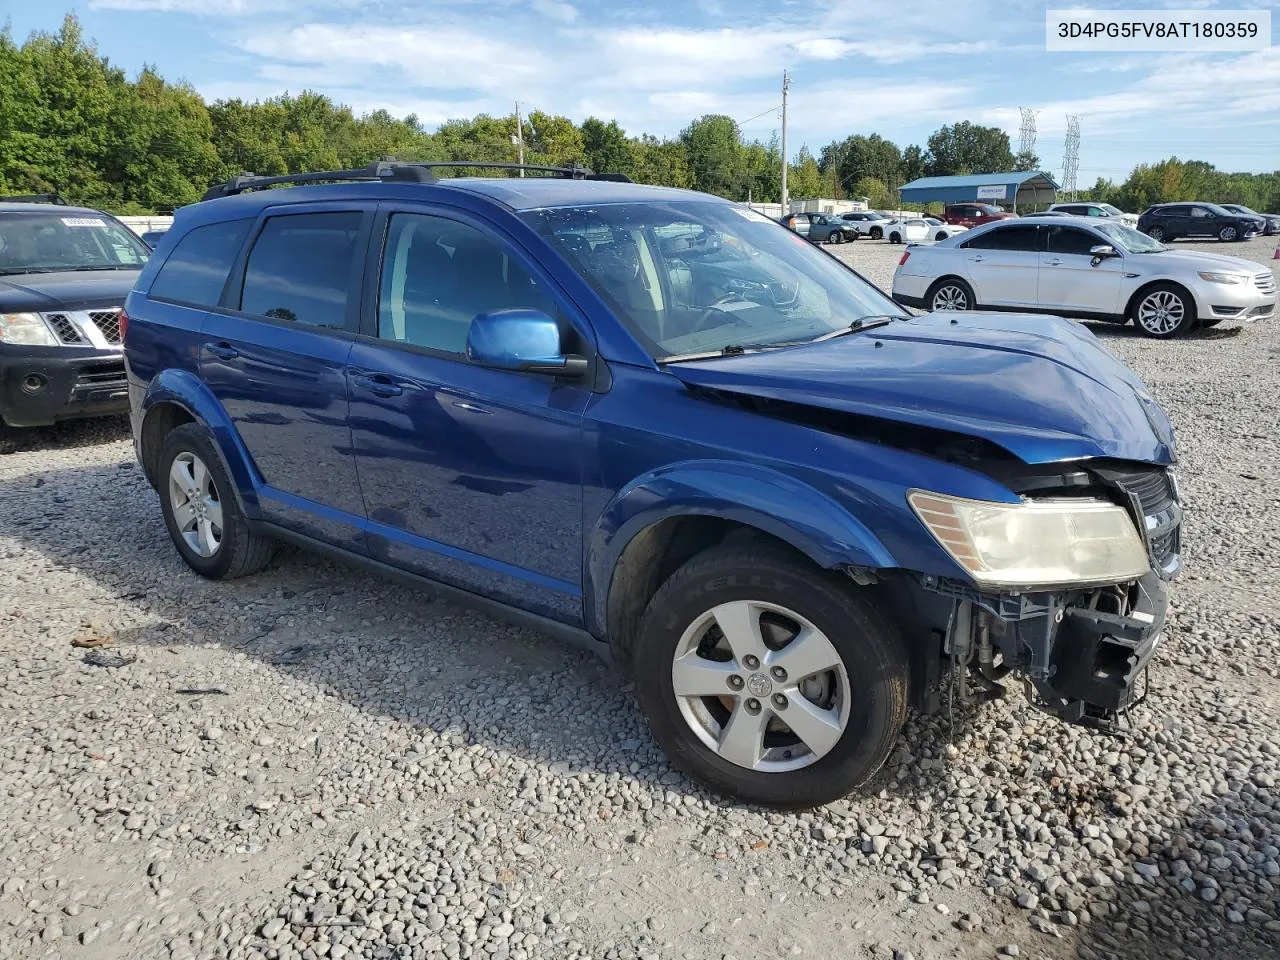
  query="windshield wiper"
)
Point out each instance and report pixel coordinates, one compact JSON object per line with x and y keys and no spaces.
{"x":869,"y":322}
{"x":729,"y":350}
{"x":103,"y":266}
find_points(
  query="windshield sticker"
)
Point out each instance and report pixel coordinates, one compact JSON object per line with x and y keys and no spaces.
{"x":748,"y":214}
{"x":83,"y":222}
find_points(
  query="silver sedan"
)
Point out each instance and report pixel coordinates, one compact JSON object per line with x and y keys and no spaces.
{"x":1078,"y":267}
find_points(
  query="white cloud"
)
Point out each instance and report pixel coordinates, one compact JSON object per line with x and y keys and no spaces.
{"x":556,"y":10}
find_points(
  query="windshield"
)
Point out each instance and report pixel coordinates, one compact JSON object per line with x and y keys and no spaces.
{"x":1114,"y":211}
{"x":990,"y":208}
{"x":695,"y":277}
{"x":1240,"y":208}
{"x":1128,"y":239}
{"x":45,"y":242}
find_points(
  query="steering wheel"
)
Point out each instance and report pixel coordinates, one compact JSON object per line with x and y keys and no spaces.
{"x":702,"y":322}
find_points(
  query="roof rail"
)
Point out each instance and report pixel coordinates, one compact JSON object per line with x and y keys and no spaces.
{"x":36,"y":198}
{"x":397,"y":171}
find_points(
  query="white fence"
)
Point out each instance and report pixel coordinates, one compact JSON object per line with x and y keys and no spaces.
{"x":141,"y":225}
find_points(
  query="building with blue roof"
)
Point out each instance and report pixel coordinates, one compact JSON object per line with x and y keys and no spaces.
{"x":1026,"y":188}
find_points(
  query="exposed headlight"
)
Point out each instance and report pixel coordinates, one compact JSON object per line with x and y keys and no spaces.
{"x":1036,"y":542}
{"x":25,"y":328}
{"x":1222,"y":277}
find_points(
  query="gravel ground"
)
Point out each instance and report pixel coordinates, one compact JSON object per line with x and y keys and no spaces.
{"x":315,"y":763}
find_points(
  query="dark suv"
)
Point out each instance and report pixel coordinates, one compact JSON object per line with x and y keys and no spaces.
{"x":64,"y":274}
{"x":1171,"y":221}
{"x":821,"y":227}
{"x":657,"y":424}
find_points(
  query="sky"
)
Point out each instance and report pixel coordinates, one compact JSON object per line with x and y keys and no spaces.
{"x":858,"y":66}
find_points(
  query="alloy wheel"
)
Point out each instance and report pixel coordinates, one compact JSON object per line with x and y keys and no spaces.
{"x":1227,"y":234}
{"x":761,"y":686}
{"x":1161,"y":312}
{"x":197,"y":507}
{"x":950,"y":297}
{"x":1156,"y":234}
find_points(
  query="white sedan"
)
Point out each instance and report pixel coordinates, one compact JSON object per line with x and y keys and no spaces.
{"x":920,"y":229}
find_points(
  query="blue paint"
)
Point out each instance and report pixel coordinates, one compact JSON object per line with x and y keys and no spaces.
{"x":526,"y":487}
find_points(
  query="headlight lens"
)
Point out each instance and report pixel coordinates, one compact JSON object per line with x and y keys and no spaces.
{"x":1222,"y":277}
{"x":1036,"y":542}
{"x":25,"y":328}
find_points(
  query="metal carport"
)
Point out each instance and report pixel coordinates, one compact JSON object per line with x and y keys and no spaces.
{"x":1029,"y":188}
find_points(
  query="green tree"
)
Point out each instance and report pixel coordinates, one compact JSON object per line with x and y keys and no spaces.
{"x":878,"y":196}
{"x":804,"y":179}
{"x":913,"y":164}
{"x":1026,"y":161}
{"x":606,"y":149}
{"x":858,"y":156}
{"x":713,"y":147}
{"x":968,"y":148}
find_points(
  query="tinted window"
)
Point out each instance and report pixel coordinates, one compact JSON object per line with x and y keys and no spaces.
{"x":198,"y":266}
{"x":1201,"y":212}
{"x":1006,"y":238}
{"x":438,"y":274}
{"x":303,"y":268}
{"x":1071,"y":240}
{"x":1070,"y":209}
{"x":1173,"y":212}
{"x":67,"y":240}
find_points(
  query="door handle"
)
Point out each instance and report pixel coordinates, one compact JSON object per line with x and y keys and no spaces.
{"x":223,"y":351}
{"x":1054,"y":262}
{"x":379,"y":384}
{"x":977,"y":259}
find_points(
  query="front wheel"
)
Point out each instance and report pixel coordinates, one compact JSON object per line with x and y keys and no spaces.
{"x":940,"y":235}
{"x":1228,"y":234}
{"x":834,"y":237}
{"x":877,"y":233}
{"x":1157,"y":234}
{"x":1164,"y":311}
{"x":769,"y":679}
{"x":201,"y":511}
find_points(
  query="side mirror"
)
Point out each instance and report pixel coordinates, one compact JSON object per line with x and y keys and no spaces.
{"x":1102,"y":251}
{"x":522,"y":340}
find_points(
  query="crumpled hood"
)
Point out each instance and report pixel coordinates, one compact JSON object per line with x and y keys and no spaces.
{"x":1043,"y":388}
{"x":70,"y":290}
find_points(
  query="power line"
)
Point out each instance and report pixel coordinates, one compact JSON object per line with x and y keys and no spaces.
{"x":743,"y":123}
{"x":1071,"y":156}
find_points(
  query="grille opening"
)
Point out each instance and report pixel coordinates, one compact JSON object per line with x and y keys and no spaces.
{"x":108,"y":321}
{"x":64,"y":329}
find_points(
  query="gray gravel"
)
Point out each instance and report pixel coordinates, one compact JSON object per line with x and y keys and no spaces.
{"x":315,"y":763}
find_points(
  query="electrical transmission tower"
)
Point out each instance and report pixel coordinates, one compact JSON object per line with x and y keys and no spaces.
{"x":1027,"y":132}
{"x":1071,"y":157}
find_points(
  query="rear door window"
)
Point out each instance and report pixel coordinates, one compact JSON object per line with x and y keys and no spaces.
{"x":304,"y":268}
{"x":197,"y":269}
{"x":1017,"y":238}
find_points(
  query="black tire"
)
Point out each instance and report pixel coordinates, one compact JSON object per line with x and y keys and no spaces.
{"x":241,"y":551}
{"x":877,"y":233}
{"x":895,"y":238}
{"x":961,"y":297}
{"x":1155,"y":328}
{"x":1229,"y":234}
{"x":9,"y":442}
{"x":940,"y":236}
{"x":866,"y":641}
{"x":1157,"y":234}
{"x":834,"y":236}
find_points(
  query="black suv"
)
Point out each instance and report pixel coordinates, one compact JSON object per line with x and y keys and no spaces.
{"x":1170,"y":221}
{"x":64,"y":274}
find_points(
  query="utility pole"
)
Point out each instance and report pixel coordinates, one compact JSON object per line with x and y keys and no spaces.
{"x":786,"y":83}
{"x":519,"y":139}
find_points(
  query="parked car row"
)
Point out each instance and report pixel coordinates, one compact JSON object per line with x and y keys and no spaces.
{"x":1086,"y":268}
{"x":648,"y":421}
{"x":1175,"y":221}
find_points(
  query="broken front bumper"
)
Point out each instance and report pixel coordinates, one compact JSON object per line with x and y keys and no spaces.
{"x":1080,"y":653}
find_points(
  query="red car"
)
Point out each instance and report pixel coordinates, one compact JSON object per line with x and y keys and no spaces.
{"x":974,"y":214}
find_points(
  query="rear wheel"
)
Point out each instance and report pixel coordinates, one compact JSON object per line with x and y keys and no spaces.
{"x":1164,"y":311}
{"x":895,"y":237}
{"x":766,"y":678}
{"x":950,"y":293}
{"x":201,"y":511}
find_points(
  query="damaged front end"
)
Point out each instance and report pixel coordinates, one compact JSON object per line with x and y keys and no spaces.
{"x":1080,"y":651}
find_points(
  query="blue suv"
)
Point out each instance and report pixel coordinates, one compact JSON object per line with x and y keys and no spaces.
{"x":660,"y":425}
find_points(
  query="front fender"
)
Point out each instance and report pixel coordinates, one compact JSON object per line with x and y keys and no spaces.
{"x":755,"y":496}
{"x":183,"y":388}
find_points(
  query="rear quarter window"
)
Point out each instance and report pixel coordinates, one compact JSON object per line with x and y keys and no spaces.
{"x":197,"y":268}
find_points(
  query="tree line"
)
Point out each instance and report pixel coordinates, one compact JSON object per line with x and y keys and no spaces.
{"x":73,"y":123}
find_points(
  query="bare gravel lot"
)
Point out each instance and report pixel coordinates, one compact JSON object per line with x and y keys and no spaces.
{"x":315,"y":763}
